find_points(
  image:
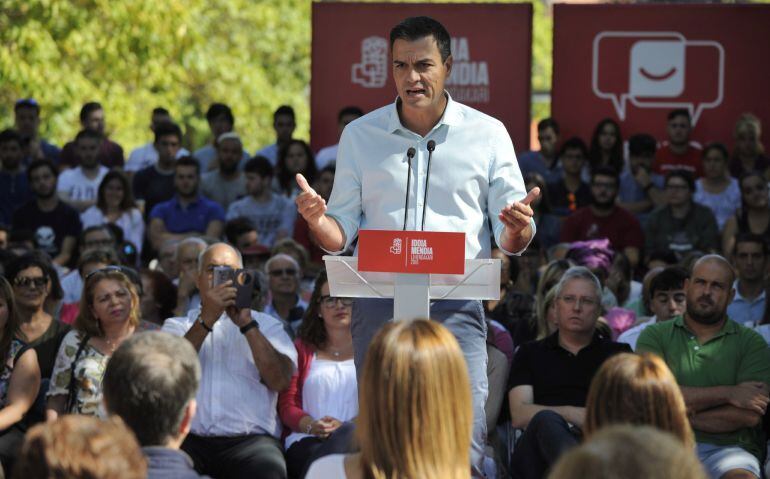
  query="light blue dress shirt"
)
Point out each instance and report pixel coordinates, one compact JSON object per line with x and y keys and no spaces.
{"x":474,"y":175}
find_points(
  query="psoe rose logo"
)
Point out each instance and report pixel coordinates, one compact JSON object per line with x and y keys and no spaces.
{"x":372,"y":71}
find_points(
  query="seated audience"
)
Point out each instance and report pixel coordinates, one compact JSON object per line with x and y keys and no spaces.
{"x":271,"y":214}
{"x":545,"y":161}
{"x":682,"y":226}
{"x":110,"y":154}
{"x":19,"y":379}
{"x":603,"y":218}
{"x":115,"y":205}
{"x":144,"y":368}
{"x":109,"y":314}
{"x":640,"y":189}
{"x":155,"y":183}
{"x":26,"y":115}
{"x":284,"y":124}
{"x":188,"y":213}
{"x":226,"y":183}
{"x":639,"y":390}
{"x":630,"y":452}
{"x":748,"y":151}
{"x":76,"y":447}
{"x":247,"y":359}
{"x":147,"y":155}
{"x":54,"y":224}
{"x":606,"y":148}
{"x":221,"y":120}
{"x":750,"y":262}
{"x":285,"y":304}
{"x":241,"y":234}
{"x":77,"y":186}
{"x":569,"y":192}
{"x":666,"y":299}
{"x":754,"y":214}
{"x":14,"y":187}
{"x":717,"y":190}
{"x":159,"y":298}
{"x":323,"y":392}
{"x":327,"y":156}
{"x":678,"y":153}
{"x":417,"y":364}
{"x":294,"y":157}
{"x":550,"y":378}
{"x":722,"y":368}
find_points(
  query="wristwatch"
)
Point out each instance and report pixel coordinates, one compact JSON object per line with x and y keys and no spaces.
{"x":247,"y":327}
{"x":203,"y":324}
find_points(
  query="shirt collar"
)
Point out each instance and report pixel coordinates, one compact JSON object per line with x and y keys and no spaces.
{"x":451,"y":117}
{"x":552,"y":341}
{"x":741,"y":298}
{"x":730,"y":327}
{"x":193,"y":203}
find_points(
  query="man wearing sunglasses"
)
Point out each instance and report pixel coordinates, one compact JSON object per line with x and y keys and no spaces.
{"x":285,"y":304}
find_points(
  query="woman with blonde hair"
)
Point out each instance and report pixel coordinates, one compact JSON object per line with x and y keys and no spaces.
{"x":748,"y":152}
{"x":415,"y":418}
{"x":639,"y":390}
{"x":109,"y":314}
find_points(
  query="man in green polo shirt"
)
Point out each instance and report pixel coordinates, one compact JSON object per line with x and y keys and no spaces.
{"x":723,"y":370}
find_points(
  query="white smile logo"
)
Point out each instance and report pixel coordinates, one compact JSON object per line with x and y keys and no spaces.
{"x":372,"y":72}
{"x":657,"y":72}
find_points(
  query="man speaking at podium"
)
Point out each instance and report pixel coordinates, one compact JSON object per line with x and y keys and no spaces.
{"x":384,"y":163}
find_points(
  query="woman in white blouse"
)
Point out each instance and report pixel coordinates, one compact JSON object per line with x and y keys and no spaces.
{"x":115,"y":204}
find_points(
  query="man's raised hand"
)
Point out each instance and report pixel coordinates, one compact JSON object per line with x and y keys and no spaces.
{"x":517,"y":215}
{"x":309,"y":203}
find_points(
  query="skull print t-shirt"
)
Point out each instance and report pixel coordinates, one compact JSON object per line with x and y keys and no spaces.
{"x":48,"y":228}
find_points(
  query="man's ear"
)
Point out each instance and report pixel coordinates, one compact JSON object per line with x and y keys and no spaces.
{"x":448,"y":65}
{"x":187,"y":418}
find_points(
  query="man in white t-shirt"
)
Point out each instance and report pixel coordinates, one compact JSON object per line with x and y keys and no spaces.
{"x":328,"y":155}
{"x":147,"y":155}
{"x":79,"y":186}
{"x":666,"y":298}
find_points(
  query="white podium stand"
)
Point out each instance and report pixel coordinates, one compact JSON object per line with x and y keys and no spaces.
{"x":412,"y":293}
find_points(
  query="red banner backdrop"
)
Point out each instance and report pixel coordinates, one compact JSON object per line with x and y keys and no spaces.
{"x":491,"y":47}
{"x":635,"y":63}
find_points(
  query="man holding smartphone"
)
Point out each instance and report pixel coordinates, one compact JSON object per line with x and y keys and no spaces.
{"x":246,"y":359}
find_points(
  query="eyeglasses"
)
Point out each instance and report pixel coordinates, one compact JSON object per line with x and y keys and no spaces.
{"x":570,"y":300}
{"x":283,"y":272}
{"x":331,"y":301}
{"x":26,"y":281}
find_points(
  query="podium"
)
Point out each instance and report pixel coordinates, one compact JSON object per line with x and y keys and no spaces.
{"x":413,"y":268}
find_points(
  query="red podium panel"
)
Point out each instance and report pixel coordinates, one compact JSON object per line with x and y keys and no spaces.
{"x":418,"y":252}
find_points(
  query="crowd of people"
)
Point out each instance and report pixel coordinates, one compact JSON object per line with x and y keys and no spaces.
{"x":630,"y":338}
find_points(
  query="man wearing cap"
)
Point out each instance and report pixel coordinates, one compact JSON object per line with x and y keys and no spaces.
{"x":225,"y":184}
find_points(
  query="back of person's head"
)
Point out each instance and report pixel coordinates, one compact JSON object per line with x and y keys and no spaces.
{"x":415,"y":419}
{"x":415,"y":28}
{"x":629,"y":452}
{"x":80,"y":447}
{"x":638,"y":390}
{"x":642,"y":144}
{"x":167,"y":128}
{"x":259,"y":165}
{"x":220,"y":109}
{"x":149,"y":382}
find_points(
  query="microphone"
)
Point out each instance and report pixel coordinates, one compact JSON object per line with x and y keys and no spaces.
{"x":409,"y":155}
{"x":431,"y":147}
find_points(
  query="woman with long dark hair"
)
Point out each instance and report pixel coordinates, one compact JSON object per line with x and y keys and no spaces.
{"x":295,"y":157}
{"x":115,"y":204}
{"x":606,"y":146}
{"x":754,"y":214}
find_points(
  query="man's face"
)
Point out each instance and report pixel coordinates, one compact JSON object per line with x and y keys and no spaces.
{"x":419,"y":73}
{"x":27,"y":121}
{"x":43,"y":182}
{"x":604,"y":190}
{"x":750,"y":261}
{"x":678,"y":192}
{"x":709,"y":291}
{"x":229,"y":153}
{"x":247,"y":240}
{"x":284,"y":128}
{"x":640,"y":161}
{"x":187,"y":258}
{"x":667,"y":304}
{"x":167,"y":260}
{"x":256,"y":184}
{"x":323,"y":184}
{"x":548,"y":139}
{"x":678,"y":129}
{"x":10,"y":155}
{"x":219,"y":255}
{"x":88,"y":151}
{"x":97,"y":239}
{"x":95,"y":121}
{"x":577,"y":307}
{"x":572,"y":161}
{"x":168,"y":147}
{"x":284,"y":277}
{"x":220,"y":124}
{"x":186,"y":181}
{"x":714,"y":164}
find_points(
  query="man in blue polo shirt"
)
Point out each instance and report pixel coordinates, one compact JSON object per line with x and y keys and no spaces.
{"x":188,"y":213}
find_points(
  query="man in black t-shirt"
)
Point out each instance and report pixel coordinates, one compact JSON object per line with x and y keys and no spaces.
{"x":55,"y":224}
{"x":155,"y":184}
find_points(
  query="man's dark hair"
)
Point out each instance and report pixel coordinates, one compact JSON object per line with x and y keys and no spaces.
{"x":642,"y":144}
{"x":259,"y":165}
{"x":751,"y":238}
{"x":284,"y":110}
{"x":88,"y":134}
{"x":149,"y":381}
{"x":672,"y":277}
{"x":349,"y":110}
{"x":168,"y":128}
{"x":574,"y":143}
{"x":160,"y":111}
{"x":188,"y":161}
{"x":9,"y":135}
{"x":99,"y":255}
{"x":678,"y":112}
{"x":683,"y":174}
{"x":219,"y":109}
{"x":546,"y":123}
{"x":415,"y":28}
{"x":605,"y":171}
{"x":236,"y":227}
{"x":89,"y":108}
{"x":91,"y":229}
{"x":42,"y":163}
{"x":30,"y":103}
